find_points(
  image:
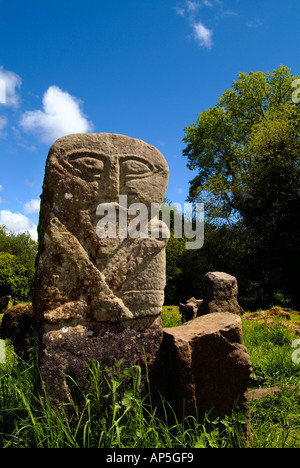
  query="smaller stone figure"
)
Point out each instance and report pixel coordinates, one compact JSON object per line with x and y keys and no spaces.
{"x":220,"y":294}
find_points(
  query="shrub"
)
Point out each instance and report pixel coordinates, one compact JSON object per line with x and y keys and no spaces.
{"x":13,"y":279}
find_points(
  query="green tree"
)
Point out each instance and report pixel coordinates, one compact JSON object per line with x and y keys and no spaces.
{"x":22,"y":250}
{"x":13,"y":279}
{"x":246,"y":153}
{"x":175,"y":252}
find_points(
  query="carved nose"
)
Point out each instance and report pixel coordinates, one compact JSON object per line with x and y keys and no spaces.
{"x":112,"y":181}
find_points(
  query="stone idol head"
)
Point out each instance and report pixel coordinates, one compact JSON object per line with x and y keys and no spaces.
{"x":91,"y":168}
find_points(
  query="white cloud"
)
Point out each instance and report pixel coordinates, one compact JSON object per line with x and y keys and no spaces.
{"x":255,"y":24}
{"x":33,"y":206}
{"x":61,"y":115}
{"x":192,"y":6}
{"x":203,"y":35}
{"x":17,"y":223}
{"x":27,"y":147}
{"x":10,"y":82}
{"x":180,"y":11}
{"x":189,"y":8}
{"x":3,"y":123}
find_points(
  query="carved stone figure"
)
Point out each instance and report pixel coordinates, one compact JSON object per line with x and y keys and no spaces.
{"x":189,"y":310}
{"x":100,"y":278}
{"x":79,"y":275}
{"x":88,"y":284}
{"x":220,"y":294}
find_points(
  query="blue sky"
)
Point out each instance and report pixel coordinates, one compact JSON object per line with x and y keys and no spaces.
{"x":142,"y":68}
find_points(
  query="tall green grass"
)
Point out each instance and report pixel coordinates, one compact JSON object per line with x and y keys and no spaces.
{"x":270,"y":349}
{"x":275,"y":419}
{"x":112,"y":415}
{"x":116,"y":413}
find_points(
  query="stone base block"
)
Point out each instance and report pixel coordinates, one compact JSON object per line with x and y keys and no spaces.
{"x":68,"y":349}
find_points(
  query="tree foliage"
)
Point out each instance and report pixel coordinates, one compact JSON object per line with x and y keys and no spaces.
{"x":246,"y":153}
{"x":17,"y":264}
{"x":253,"y":125}
{"x":13,"y":279}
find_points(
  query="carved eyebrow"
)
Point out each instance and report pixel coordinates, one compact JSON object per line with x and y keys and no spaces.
{"x":73,"y":156}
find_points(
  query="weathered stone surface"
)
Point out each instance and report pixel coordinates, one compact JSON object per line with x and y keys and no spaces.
{"x":220,"y":294}
{"x":69,"y":350}
{"x":17,"y":325}
{"x":189,"y":310}
{"x":80,"y":276}
{"x":4,"y":303}
{"x":98,"y":297}
{"x":209,"y":367}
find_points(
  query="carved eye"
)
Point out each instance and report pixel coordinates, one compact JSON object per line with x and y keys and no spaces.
{"x":132,"y":168}
{"x":87,"y":164}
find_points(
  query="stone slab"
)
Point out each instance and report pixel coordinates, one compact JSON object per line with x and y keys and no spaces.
{"x":208,"y":366}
